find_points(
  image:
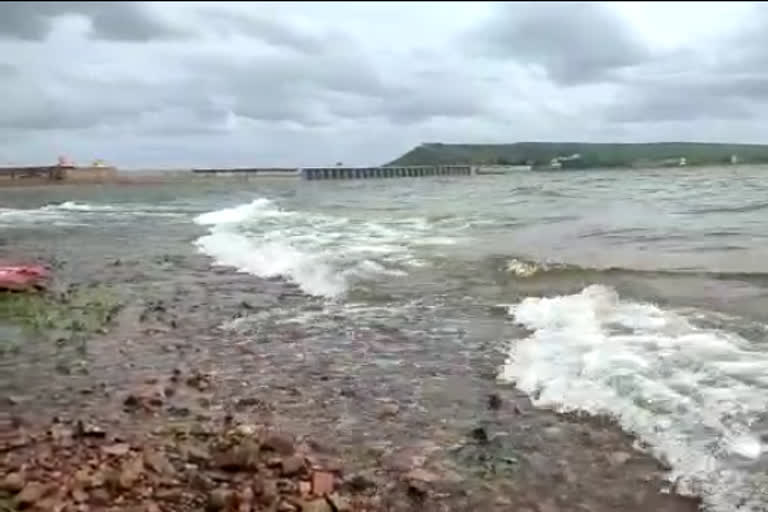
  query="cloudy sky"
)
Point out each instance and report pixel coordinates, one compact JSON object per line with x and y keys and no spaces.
{"x":175,"y":84}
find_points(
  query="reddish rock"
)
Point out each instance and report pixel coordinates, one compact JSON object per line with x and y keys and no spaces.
{"x":118,"y":449}
{"x":322,"y":483}
{"x":305,"y":488}
{"x":131,"y":472}
{"x":158,"y":463}
{"x":79,"y":495}
{"x":219,"y":499}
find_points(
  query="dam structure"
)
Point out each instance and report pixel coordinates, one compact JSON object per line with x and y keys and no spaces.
{"x":356,"y":173}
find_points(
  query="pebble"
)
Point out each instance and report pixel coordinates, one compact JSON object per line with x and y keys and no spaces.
{"x":13,"y":483}
{"x":388,"y":410}
{"x":279,"y":443}
{"x":619,"y":458}
{"x":158,"y":463}
{"x":118,"y":449}
{"x":316,"y":506}
{"x":292,"y":465}
{"x":219,"y":499}
{"x":285,"y":506}
{"x":340,"y":504}
{"x":422,"y":475}
{"x":494,"y":401}
{"x":31,"y":493}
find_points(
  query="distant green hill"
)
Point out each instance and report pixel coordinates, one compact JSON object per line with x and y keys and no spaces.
{"x":591,"y":154}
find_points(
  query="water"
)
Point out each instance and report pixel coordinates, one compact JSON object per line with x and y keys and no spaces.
{"x":642,"y":295}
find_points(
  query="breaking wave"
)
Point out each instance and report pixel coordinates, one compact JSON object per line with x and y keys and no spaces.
{"x":322,"y":254}
{"x":694,"y":396}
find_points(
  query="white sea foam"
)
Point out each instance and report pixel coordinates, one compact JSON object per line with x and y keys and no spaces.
{"x":691,"y":394}
{"x":323,"y":254}
{"x":73,"y":213}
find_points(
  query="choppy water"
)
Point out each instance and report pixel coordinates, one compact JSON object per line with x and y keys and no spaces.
{"x":643,"y":293}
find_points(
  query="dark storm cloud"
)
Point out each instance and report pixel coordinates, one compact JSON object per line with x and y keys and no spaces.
{"x":117,"y":21}
{"x":575,"y":43}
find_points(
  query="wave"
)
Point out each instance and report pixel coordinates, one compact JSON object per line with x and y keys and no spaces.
{"x":690,"y":394}
{"x":523,"y":268}
{"x":77,"y":213}
{"x":730,"y":209}
{"x":322,"y":254}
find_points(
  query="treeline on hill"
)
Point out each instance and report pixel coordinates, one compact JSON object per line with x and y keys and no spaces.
{"x":592,"y":154}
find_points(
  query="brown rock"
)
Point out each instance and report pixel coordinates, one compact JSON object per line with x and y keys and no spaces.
{"x":83,"y":508}
{"x":13,"y":483}
{"x":100,"y":498}
{"x":118,"y":449}
{"x":280,"y":443}
{"x":219,"y":499}
{"x":359,"y":483}
{"x":151,"y":507}
{"x":319,"y":505}
{"x":196,"y":454}
{"x":79,"y":495}
{"x":268,"y":493}
{"x":305,"y":488}
{"x":131,"y":472}
{"x":322,"y":483}
{"x":292,"y":465}
{"x":286,"y":506}
{"x":242,"y":457}
{"x":339,"y":503}
{"x":157,"y":462}
{"x":245,"y":499}
{"x":31,"y":494}
{"x":82,"y":477}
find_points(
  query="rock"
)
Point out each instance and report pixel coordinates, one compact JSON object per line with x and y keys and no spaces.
{"x":12,"y":400}
{"x":619,"y":458}
{"x":480,"y":435}
{"x":131,"y":472}
{"x":319,"y":505}
{"x":268,"y":493}
{"x":280,"y":443}
{"x":245,"y":499}
{"x":494,"y":401}
{"x":196,"y":454}
{"x":100,"y":498}
{"x":151,"y":507}
{"x":199,"y":381}
{"x":388,"y":411}
{"x":79,"y":495}
{"x":242,"y":457}
{"x":421,"y":475}
{"x":13,"y":483}
{"x":359,"y":483}
{"x":245,"y":403}
{"x":219,"y":499}
{"x":118,"y":449}
{"x":82,"y":477}
{"x":322,"y":483}
{"x":157,"y":462}
{"x":89,"y":430}
{"x":286,"y":506}
{"x":31,"y":494}
{"x":339,"y":503}
{"x":246,"y":430}
{"x":292,"y":465}
{"x":417,"y":490}
{"x":305,"y":488}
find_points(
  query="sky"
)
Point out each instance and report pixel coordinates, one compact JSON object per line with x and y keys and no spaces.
{"x":173,"y":85}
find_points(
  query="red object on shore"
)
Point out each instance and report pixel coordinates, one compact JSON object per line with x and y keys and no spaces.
{"x":22,"y":278}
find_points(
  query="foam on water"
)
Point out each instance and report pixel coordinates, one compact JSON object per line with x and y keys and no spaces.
{"x":73,"y":213}
{"x":323,"y":254}
{"x":693,"y":395}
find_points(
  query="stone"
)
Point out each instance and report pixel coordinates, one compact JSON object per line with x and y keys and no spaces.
{"x":388,"y":411}
{"x":79,"y":495}
{"x":268,"y":493}
{"x":292,"y":465}
{"x":246,"y":430}
{"x":118,"y":449}
{"x":322,"y":483}
{"x":196,"y":454}
{"x":286,"y":506}
{"x":158,"y":462}
{"x":619,"y":458}
{"x":13,"y":483}
{"x":305,"y":488}
{"x":319,"y":505}
{"x":219,"y":499}
{"x":31,"y":494}
{"x":89,"y":430}
{"x":494,"y":402}
{"x":339,"y":503}
{"x":480,"y":435}
{"x":359,"y":483}
{"x":242,"y":457}
{"x":131,"y":472}
{"x":151,"y":507}
{"x":421,"y":475}
{"x":100,"y":498}
{"x":280,"y":443}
